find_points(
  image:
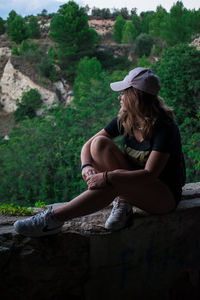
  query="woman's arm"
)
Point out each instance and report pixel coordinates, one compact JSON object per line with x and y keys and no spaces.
{"x":154,"y":166}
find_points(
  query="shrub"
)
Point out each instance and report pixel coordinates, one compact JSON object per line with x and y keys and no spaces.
{"x":143,"y":44}
{"x":15,"y":50}
{"x":144,"y":62}
{"x":2,"y":26}
{"x":47,"y":69}
{"x":31,"y":101}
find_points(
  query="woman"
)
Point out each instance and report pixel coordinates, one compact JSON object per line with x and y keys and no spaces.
{"x":149,"y":173}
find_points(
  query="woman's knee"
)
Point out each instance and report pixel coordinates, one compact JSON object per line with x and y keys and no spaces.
{"x":100,"y":144}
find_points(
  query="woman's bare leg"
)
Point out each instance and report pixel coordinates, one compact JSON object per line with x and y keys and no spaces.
{"x":86,"y":203}
{"x":154,"y":198}
{"x":107,"y":156}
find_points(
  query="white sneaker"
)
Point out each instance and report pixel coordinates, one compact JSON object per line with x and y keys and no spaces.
{"x":44,"y":223}
{"x":120,"y":216}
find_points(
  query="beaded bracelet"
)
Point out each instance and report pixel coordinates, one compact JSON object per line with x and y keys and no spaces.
{"x":85,"y":165}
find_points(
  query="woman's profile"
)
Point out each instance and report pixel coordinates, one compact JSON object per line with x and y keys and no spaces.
{"x":149,"y":173}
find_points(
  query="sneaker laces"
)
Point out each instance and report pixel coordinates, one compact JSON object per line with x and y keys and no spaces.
{"x":118,"y":207}
{"x":42,"y":217}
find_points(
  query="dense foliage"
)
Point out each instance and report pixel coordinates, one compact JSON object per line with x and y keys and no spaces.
{"x":31,"y":101}
{"x":34,"y":28}
{"x":178,"y":70}
{"x":70,"y":30}
{"x":2,"y":26}
{"x":118,"y":29}
{"x":18,"y":29}
{"x":143,"y":44}
{"x":41,"y":160}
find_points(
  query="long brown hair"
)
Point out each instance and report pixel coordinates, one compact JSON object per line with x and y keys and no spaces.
{"x":142,"y":106}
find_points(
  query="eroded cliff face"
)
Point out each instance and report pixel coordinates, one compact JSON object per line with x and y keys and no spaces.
{"x":196,"y":43}
{"x":14,"y":80}
{"x":14,"y":83}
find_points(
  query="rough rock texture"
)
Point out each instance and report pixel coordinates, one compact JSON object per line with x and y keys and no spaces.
{"x":196,"y":43}
{"x":102,"y":26}
{"x":13,"y":83}
{"x":116,"y":50}
{"x":156,"y":257}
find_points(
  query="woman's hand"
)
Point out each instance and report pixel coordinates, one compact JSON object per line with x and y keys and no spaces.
{"x":96,"y":181}
{"x":87,"y":172}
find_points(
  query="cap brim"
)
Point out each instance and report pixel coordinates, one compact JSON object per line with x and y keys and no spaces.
{"x":119,"y":86}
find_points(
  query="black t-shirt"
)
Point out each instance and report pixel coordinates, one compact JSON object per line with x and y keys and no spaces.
{"x":165,"y":138}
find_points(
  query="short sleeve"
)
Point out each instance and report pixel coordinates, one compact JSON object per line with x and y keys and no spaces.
{"x":165,"y":138}
{"x":112,"y":128}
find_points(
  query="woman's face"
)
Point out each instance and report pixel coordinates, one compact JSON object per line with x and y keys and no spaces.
{"x":121,"y":99}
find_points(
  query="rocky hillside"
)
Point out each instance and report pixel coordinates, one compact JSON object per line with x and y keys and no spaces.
{"x":18,"y":75}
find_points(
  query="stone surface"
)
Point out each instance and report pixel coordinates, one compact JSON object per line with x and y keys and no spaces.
{"x":196,"y":43}
{"x":150,"y":258}
{"x":17,"y":77}
{"x":14,"y":83}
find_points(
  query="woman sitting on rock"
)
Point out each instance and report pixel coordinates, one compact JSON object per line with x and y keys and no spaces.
{"x":148,"y":174}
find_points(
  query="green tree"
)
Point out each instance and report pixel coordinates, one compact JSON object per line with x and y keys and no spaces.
{"x":2,"y":26}
{"x":45,"y":165}
{"x":176,"y":27}
{"x":25,"y":46}
{"x":96,"y":12}
{"x":129,"y":33}
{"x":34,"y":28}
{"x":178,"y":70}
{"x":143,"y":44}
{"x":144,"y":62}
{"x":155,"y":23}
{"x":52,"y":54}
{"x":10,"y":19}
{"x":118,"y":28}
{"x":44,"y":13}
{"x":124,"y":12}
{"x":41,"y":161}
{"x":137,"y":23}
{"x":18,"y":30}
{"x":190,"y":131}
{"x":70,"y":30}
{"x":46,"y":68}
{"x":88,"y":70}
{"x":195,"y":20}
{"x":146,"y":18}
{"x":31,"y":101}
{"x":15,"y":50}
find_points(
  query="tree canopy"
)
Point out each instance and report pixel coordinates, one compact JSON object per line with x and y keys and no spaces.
{"x":118,"y":29}
{"x":70,"y":30}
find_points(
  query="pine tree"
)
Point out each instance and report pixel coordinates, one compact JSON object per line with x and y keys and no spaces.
{"x":118,"y":28}
{"x":176,"y":26}
{"x":2,"y":26}
{"x":18,"y":30}
{"x":34,"y":28}
{"x":129,"y":33}
{"x":70,"y":30}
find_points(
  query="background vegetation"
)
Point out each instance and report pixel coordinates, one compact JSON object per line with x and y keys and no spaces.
{"x":41,"y":159}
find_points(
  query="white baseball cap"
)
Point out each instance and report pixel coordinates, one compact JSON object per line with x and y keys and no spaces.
{"x":142,"y":79}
